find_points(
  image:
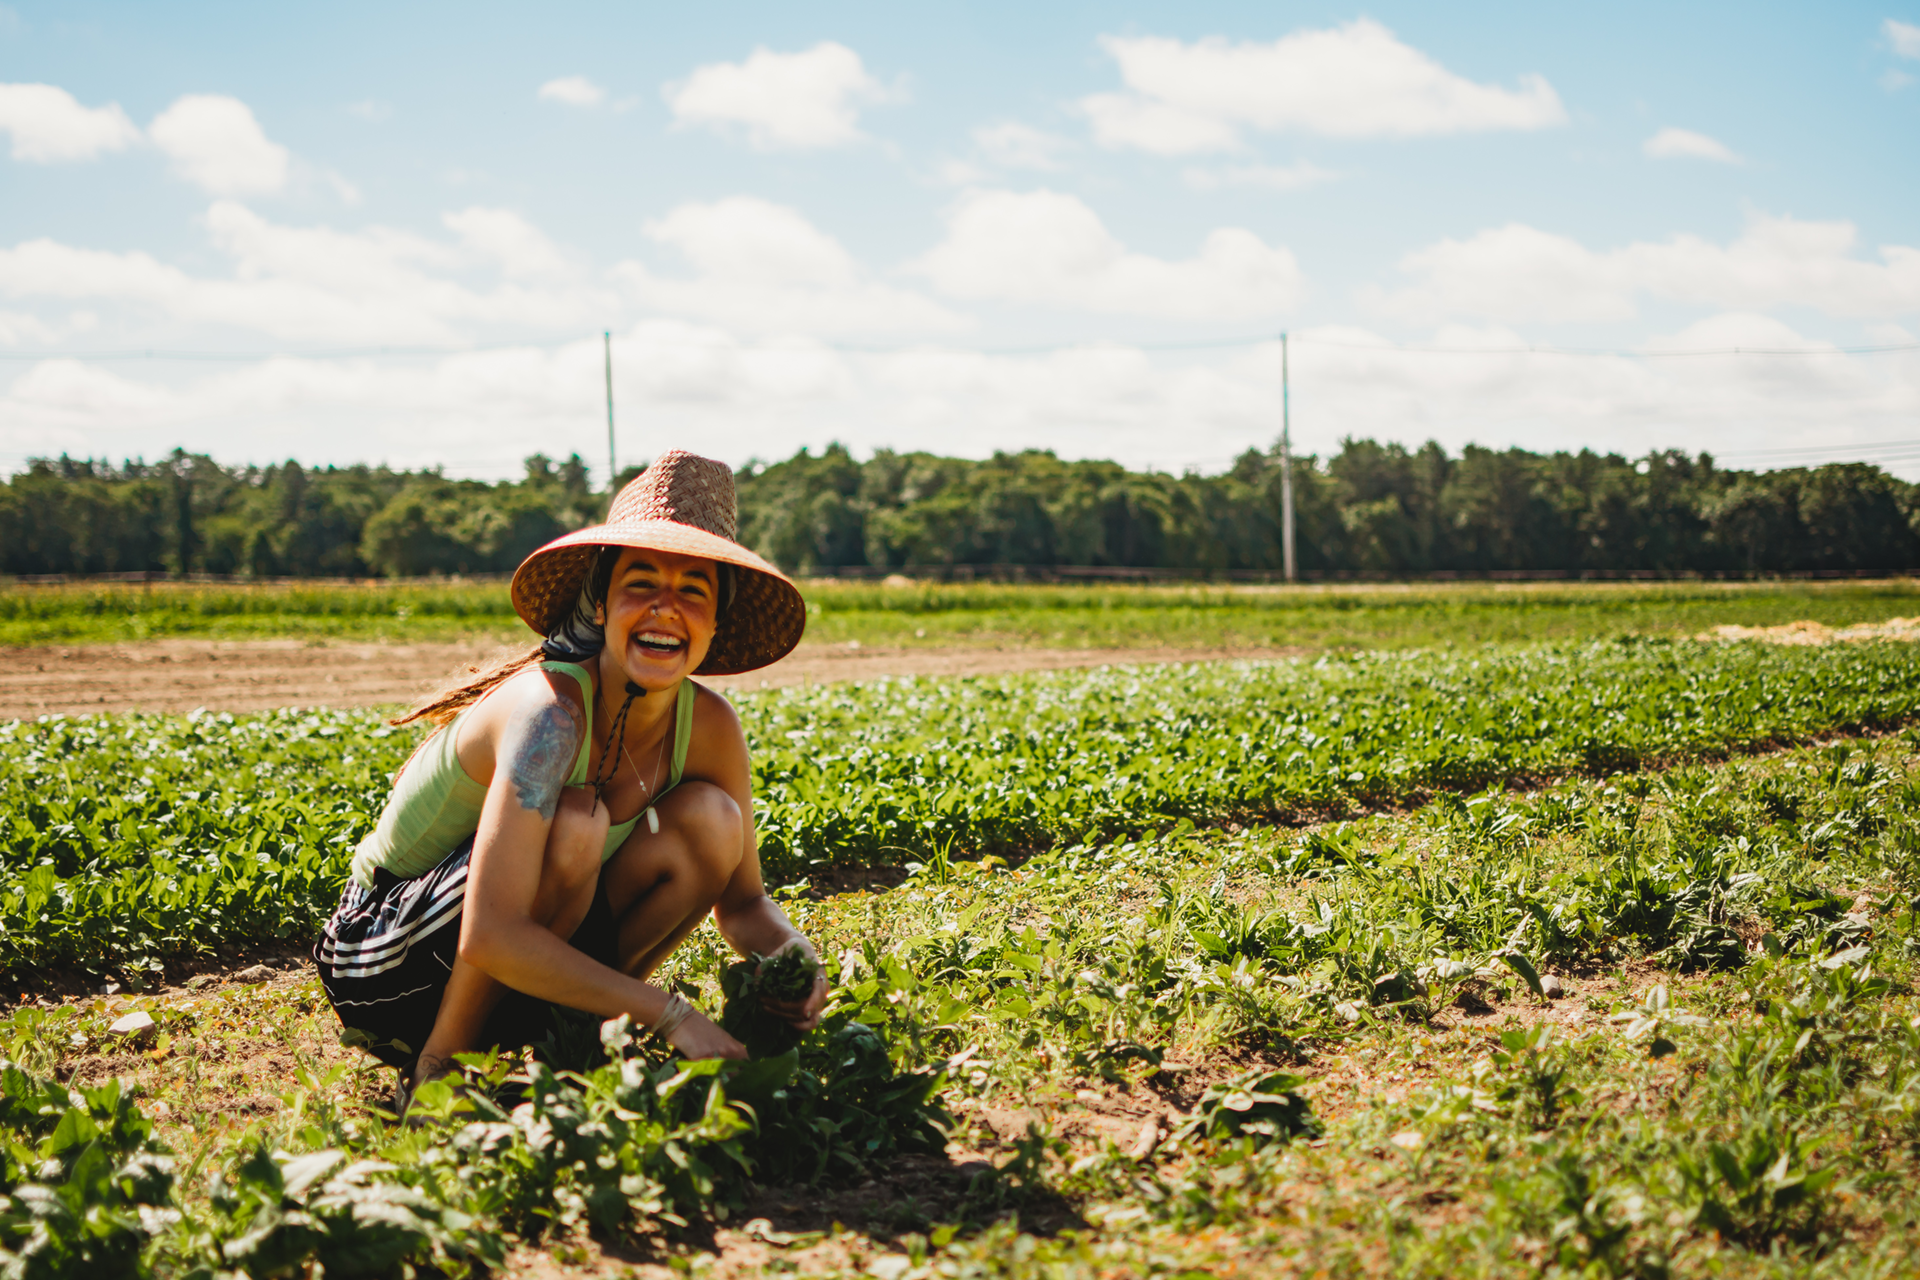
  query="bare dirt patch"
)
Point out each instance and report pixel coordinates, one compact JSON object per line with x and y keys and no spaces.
{"x":236,"y":676}
{"x":1807,"y":632}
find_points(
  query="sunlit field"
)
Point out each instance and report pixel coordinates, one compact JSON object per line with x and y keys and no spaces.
{"x":1583,"y":957}
{"x":1092,"y":616}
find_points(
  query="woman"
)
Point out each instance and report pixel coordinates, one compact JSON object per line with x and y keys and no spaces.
{"x":579,"y":810}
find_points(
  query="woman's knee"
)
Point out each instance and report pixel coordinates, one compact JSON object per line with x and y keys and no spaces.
{"x":711,"y":819}
{"x":696,"y":852}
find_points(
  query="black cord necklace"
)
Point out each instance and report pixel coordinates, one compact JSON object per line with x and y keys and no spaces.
{"x":609,"y":757}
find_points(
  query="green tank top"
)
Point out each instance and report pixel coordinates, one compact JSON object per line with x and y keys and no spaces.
{"x":435,"y":803}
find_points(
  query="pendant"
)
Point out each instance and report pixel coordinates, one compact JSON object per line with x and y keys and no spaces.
{"x":653,"y":821}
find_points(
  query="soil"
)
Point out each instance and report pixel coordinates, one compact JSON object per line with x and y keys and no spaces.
{"x":180,"y":675}
{"x":258,"y":675}
{"x":1818,"y":633}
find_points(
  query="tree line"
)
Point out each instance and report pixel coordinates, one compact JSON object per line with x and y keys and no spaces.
{"x":188,"y":514}
{"x":1368,"y":507}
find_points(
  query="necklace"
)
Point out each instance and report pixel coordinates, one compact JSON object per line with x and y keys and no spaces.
{"x":653,"y":819}
{"x":626,"y":755}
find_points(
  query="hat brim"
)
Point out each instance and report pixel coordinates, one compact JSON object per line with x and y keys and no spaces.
{"x":763,"y":622}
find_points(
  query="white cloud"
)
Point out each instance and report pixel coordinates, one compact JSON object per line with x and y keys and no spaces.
{"x":1903,"y":36}
{"x":1685,"y":144}
{"x":521,"y":249}
{"x":1518,"y":273}
{"x":575,"y":91}
{"x":317,"y":284}
{"x":1013,"y":145}
{"x":1121,"y":120}
{"x":747,"y":239}
{"x":1719,"y":404}
{"x":48,"y":126}
{"x":17,"y":327}
{"x":215,"y":142}
{"x":1274,"y":177}
{"x":1353,"y":81}
{"x":1047,"y":248}
{"x":695,"y":386}
{"x":705,"y":388}
{"x":798,"y":100}
{"x":763,"y":267}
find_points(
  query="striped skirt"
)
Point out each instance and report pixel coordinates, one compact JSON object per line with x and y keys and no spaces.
{"x":386,"y":955}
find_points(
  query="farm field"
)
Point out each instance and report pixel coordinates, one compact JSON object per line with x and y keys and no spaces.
{"x":1586,"y":958}
{"x":929,"y":615}
{"x":105,"y":648}
{"x":184,"y":674}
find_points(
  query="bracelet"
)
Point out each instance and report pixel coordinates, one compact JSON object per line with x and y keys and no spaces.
{"x":676,"y":1012}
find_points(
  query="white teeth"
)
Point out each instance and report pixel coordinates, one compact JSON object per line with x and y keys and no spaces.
{"x":659,"y":641}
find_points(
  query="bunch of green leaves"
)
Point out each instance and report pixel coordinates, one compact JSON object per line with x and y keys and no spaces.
{"x":837,"y":1108}
{"x":640,"y":1144}
{"x":786,"y":977}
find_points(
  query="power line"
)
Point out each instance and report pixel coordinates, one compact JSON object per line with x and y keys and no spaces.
{"x":1612,"y":352}
{"x":855,"y":348}
{"x":1890,"y":450}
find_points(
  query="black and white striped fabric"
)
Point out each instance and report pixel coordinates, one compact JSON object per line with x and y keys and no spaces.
{"x":388,"y":951}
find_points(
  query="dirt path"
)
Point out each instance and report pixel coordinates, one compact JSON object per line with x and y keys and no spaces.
{"x":1815,"y":633}
{"x":179,"y":675}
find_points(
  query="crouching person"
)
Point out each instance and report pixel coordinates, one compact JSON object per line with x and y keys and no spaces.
{"x":579,"y":810}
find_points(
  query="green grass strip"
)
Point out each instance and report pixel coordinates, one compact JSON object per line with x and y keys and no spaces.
{"x":934,"y":615}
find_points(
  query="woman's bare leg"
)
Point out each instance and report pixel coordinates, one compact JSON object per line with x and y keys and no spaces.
{"x":569,"y":870}
{"x":661,"y":886}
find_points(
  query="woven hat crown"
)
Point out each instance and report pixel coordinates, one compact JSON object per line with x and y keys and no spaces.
{"x":684,"y":488}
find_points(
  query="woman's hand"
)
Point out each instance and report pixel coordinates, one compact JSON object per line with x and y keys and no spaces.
{"x":697,"y":1037}
{"x":803,"y":1014}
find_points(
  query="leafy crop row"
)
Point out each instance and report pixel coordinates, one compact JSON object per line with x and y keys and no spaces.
{"x":126,"y":840}
{"x":899,"y":769}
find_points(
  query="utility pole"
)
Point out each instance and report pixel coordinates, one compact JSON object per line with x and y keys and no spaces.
{"x":613,"y":470}
{"x":1286,"y":467}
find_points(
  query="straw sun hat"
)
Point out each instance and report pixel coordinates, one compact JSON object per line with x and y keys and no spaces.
{"x":685,"y":504}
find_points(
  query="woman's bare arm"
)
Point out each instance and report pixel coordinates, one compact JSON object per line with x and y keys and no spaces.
{"x":748,"y":918}
{"x":537,"y":736}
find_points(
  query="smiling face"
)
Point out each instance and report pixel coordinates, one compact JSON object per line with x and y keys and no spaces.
{"x":659,"y":616}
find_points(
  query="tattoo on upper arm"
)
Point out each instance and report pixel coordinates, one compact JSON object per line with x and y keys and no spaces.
{"x":540,"y":757}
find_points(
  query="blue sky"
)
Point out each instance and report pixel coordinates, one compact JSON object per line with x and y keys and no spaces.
{"x":961,"y":229}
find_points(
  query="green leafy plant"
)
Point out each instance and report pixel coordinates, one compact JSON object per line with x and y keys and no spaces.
{"x":1536,"y":1077}
{"x":1263,"y":1106}
{"x":786,"y":977}
{"x":84,"y":1181}
{"x":1756,"y":1187}
{"x":274,"y":1214}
